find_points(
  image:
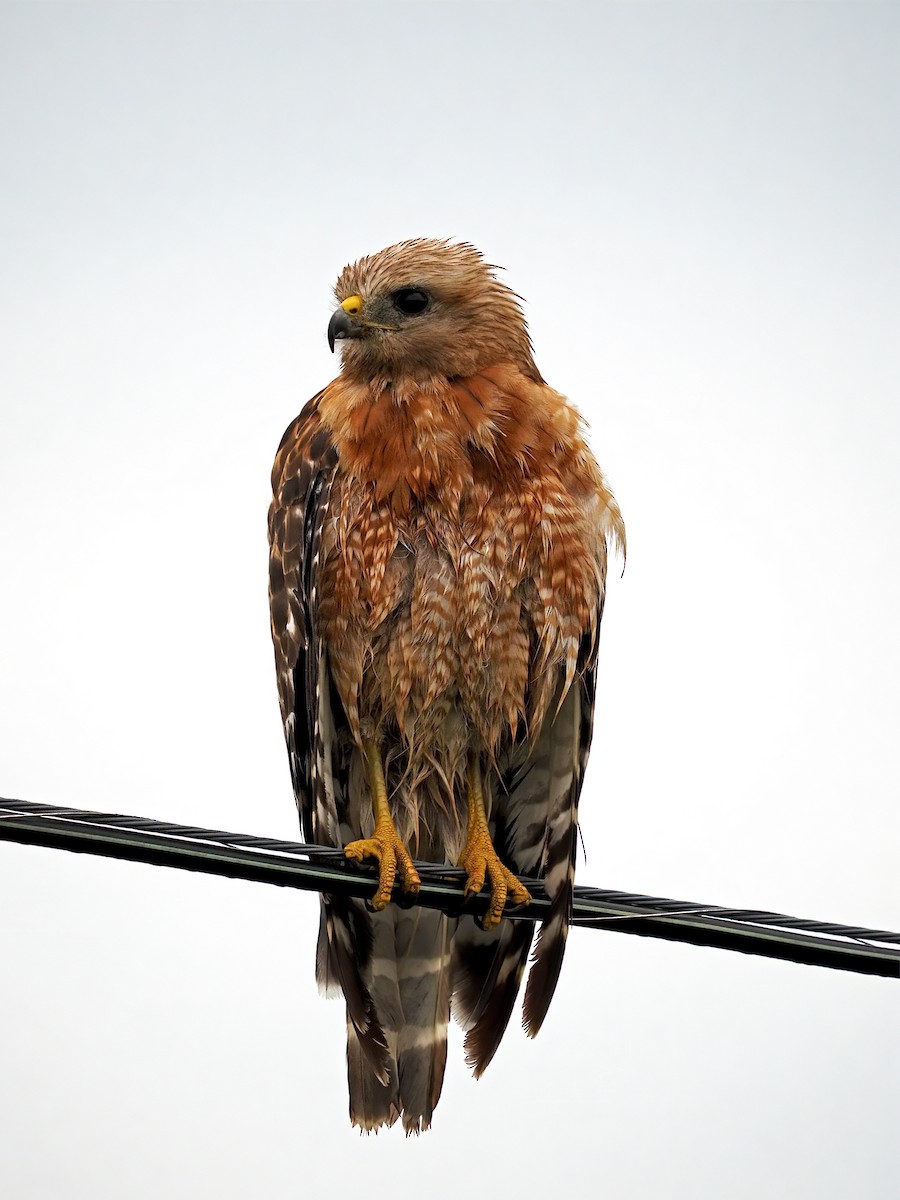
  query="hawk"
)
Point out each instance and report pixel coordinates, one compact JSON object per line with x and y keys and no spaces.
{"x":439,"y":534}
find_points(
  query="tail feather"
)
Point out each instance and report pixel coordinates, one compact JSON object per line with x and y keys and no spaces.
{"x":409,"y":983}
{"x":423,"y":966}
{"x":343,"y":963}
{"x":372,"y":1103}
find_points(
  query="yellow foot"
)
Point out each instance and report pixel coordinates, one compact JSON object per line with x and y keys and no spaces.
{"x":392,"y":857}
{"x":479,"y":859}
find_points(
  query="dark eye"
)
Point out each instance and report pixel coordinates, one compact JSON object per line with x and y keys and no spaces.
{"x":411,"y":301}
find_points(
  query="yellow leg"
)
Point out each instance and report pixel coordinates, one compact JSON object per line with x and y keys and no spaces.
{"x":480,"y":858}
{"x":384,"y":844}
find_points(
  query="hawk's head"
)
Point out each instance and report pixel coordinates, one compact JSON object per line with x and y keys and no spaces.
{"x":427,"y":308}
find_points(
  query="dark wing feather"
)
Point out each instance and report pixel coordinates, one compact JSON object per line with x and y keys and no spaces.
{"x":574,"y":744}
{"x":301,"y":487}
{"x":534,"y":824}
{"x":487,"y":972}
{"x":314,"y":721}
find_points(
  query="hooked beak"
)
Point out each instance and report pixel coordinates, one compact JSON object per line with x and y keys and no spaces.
{"x":341,"y":326}
{"x":347,"y":322}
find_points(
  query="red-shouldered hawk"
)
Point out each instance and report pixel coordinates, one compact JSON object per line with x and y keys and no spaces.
{"x":439,"y":536}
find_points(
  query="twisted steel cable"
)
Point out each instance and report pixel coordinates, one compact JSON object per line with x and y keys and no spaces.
{"x":318,"y":868}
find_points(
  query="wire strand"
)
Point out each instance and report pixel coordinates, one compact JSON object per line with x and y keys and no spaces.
{"x":323,"y":869}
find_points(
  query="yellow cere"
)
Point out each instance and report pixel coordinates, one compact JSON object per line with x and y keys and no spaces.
{"x":352,"y":305}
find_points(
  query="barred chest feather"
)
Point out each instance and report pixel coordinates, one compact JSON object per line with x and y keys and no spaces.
{"x":464,"y":559}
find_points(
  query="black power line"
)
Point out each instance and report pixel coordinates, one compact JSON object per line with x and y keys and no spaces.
{"x":317,"y":868}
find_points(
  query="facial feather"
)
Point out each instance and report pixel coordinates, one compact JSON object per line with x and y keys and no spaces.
{"x":472,"y":320}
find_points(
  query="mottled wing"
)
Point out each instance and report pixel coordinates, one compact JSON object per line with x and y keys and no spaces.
{"x":301,"y":487}
{"x":569,"y":744}
{"x":314,"y":722}
{"x":534,"y":820}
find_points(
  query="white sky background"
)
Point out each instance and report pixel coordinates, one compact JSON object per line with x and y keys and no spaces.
{"x":700,"y":204}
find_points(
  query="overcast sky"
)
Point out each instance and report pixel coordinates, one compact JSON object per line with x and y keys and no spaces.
{"x":700,"y":203}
